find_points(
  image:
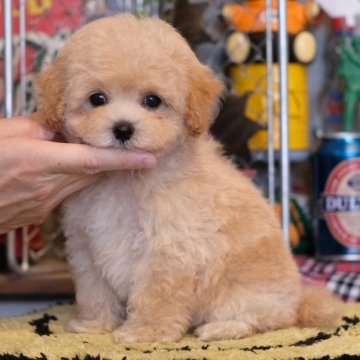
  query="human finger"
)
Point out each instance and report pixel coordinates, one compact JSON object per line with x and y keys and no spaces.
{"x":21,"y":126}
{"x":35,"y":212}
{"x":85,"y":159}
{"x":71,"y":188}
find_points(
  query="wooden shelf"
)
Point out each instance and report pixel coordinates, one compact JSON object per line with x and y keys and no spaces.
{"x":38,"y":282}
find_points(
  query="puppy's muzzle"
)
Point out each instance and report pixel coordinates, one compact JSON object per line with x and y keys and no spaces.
{"x":123,"y":131}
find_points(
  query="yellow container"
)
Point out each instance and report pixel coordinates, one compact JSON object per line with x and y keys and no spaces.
{"x":252,"y":78}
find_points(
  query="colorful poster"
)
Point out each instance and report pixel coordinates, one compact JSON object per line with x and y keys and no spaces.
{"x":47,"y":16}
{"x":48,"y":24}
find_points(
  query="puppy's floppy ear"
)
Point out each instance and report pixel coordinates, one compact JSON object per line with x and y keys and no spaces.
{"x":203,"y":99}
{"x":50,"y":95}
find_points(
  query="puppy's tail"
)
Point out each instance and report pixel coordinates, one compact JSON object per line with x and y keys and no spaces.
{"x":318,"y":307}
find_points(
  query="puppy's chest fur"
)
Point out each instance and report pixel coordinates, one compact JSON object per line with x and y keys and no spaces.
{"x":104,"y":220}
{"x":120,"y":221}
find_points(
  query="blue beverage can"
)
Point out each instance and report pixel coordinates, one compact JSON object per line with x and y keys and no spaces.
{"x":337,"y":192}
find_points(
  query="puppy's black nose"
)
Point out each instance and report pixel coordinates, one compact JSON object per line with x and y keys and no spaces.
{"x":123,"y":131}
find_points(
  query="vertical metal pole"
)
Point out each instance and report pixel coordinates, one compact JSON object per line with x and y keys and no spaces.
{"x":9,"y":108}
{"x":270,"y":103}
{"x":8,"y":44}
{"x":284,"y":112}
{"x":22,"y":101}
{"x":22,"y":45}
{"x":9,"y":112}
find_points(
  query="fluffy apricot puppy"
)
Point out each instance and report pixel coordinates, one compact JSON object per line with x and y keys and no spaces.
{"x":189,"y":244}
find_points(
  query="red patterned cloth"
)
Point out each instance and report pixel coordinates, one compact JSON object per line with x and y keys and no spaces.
{"x":341,"y":277}
{"x":48,"y":16}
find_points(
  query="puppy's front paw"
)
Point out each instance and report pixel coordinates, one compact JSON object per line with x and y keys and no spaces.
{"x":131,"y":334}
{"x":91,"y":326}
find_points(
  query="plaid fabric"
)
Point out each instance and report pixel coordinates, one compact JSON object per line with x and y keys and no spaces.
{"x":341,"y":277}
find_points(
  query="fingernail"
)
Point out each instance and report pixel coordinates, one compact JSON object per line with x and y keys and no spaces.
{"x":148,"y":162}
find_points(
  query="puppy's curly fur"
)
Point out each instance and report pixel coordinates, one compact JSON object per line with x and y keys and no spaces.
{"x":191,"y":243}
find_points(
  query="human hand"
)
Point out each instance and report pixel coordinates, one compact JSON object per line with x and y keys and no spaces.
{"x":38,"y":174}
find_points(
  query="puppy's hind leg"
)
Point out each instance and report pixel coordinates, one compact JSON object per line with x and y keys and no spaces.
{"x":244,"y":312}
{"x":251,"y":320}
{"x":224,"y":330}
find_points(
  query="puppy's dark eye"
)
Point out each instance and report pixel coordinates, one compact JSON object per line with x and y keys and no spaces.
{"x":152,"y":101}
{"x":98,"y":99}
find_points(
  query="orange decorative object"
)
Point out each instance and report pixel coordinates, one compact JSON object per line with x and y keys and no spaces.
{"x":251,"y":15}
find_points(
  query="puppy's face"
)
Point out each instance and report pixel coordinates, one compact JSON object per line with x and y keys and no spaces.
{"x":128,"y":83}
{"x":117,"y":103}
